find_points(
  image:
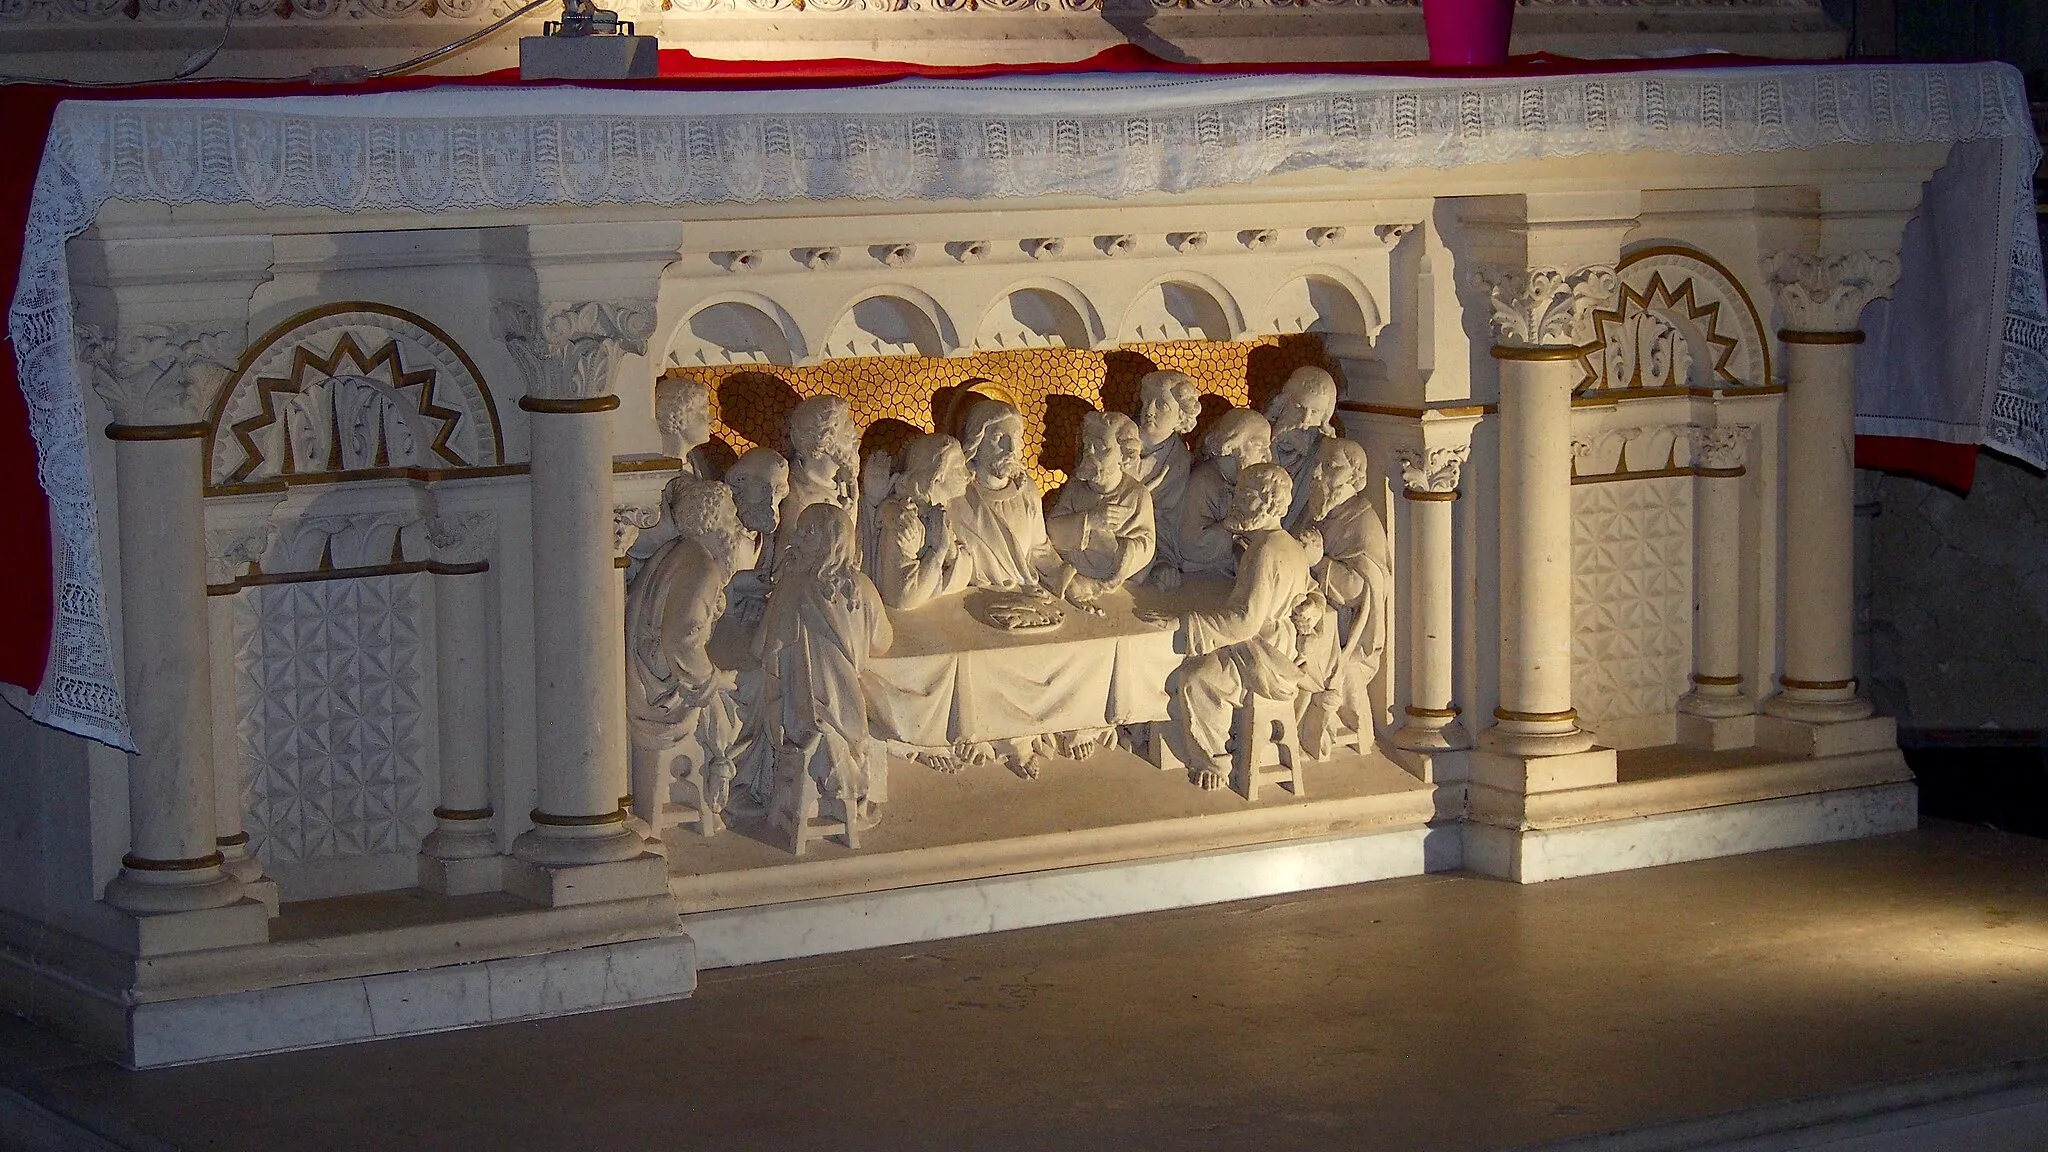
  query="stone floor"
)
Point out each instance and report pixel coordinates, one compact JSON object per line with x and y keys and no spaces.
{"x":1440,"y":1012}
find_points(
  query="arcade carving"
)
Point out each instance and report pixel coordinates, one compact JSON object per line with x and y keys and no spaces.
{"x":806,"y":617}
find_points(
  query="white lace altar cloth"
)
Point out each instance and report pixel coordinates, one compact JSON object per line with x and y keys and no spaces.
{"x":1113,"y":135}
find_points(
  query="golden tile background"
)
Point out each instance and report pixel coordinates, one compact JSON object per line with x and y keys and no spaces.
{"x":897,"y":397}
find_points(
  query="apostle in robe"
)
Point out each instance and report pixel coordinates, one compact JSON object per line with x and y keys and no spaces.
{"x":1250,"y":644}
{"x":824,"y":462}
{"x":1355,"y":576}
{"x":760,"y":482}
{"x":918,"y":556}
{"x":675,"y":695}
{"x":1168,"y":407}
{"x":1102,"y":524}
{"x":825,"y":622}
{"x":1238,"y":440}
{"x":1300,"y":414}
{"x":1001,"y":519}
{"x":682,"y":414}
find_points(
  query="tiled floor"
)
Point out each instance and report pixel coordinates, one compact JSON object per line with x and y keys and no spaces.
{"x":1441,"y":1013}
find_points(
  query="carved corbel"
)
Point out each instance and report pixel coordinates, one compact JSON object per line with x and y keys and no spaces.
{"x":158,"y":374}
{"x":1828,"y":293}
{"x":1435,"y":470}
{"x":568,"y":351}
{"x":1546,"y":307}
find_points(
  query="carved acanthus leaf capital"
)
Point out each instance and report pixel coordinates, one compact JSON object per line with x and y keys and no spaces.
{"x":156,"y":374}
{"x":1546,"y":307}
{"x":462,"y":538}
{"x":231,"y":550}
{"x":1432,"y":469}
{"x":628,"y":522}
{"x":1828,"y":293}
{"x":568,"y":351}
{"x":1721,"y":447}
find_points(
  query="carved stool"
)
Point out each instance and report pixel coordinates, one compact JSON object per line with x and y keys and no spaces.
{"x":1268,"y":746}
{"x":1157,"y":748}
{"x":810,"y":824}
{"x":652,"y":772}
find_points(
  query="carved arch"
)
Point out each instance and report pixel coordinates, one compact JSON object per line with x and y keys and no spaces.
{"x":353,"y":388}
{"x":1039,"y":312}
{"x":890,"y":320}
{"x":736,"y":328}
{"x":1182,"y":305}
{"x":1329,"y":301}
{"x":1681,"y":320}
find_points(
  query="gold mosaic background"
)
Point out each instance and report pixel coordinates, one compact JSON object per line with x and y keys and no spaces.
{"x":895,"y":398}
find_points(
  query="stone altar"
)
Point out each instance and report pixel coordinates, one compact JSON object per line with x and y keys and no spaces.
{"x":369,"y":488}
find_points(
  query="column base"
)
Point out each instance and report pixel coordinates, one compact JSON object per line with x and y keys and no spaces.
{"x":148,"y":891}
{"x":1432,"y":734}
{"x":460,"y":858}
{"x":1445,"y":767}
{"x":1713,"y":704}
{"x":563,"y":844}
{"x":561,"y":885}
{"x":1839,"y":738}
{"x":1524,"y":775}
{"x":1716,"y":733}
{"x":246,"y":921}
{"x":236,"y":862}
{"x":1536,"y":737}
{"x":1820,"y":705}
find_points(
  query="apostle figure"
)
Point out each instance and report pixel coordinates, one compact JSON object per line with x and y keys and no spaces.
{"x":674,"y":694}
{"x":760,"y":482}
{"x":825,"y":622}
{"x":917,"y":554}
{"x":1238,"y":440}
{"x":1300,"y":414}
{"x":1001,"y":520}
{"x":1168,"y":407}
{"x":824,"y":460}
{"x":682,"y":412}
{"x":1102,"y":525}
{"x":1250,"y":644}
{"x":1354,"y":575}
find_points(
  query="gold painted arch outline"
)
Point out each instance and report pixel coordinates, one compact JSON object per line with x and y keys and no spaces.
{"x":1681,"y":300}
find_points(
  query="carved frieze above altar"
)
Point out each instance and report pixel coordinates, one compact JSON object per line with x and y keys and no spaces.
{"x":352,"y":389}
{"x":1828,"y":293}
{"x":1552,"y":307}
{"x":157,"y":373}
{"x":567,"y":351}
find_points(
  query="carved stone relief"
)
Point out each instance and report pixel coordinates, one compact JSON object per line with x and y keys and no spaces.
{"x":328,"y":705}
{"x":1546,"y":306}
{"x":1828,"y":293}
{"x":567,"y":351}
{"x":352,"y":388}
{"x":157,"y":373}
{"x":1679,"y":321}
{"x":1632,"y":592}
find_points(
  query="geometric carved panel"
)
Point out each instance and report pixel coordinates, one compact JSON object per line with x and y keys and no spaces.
{"x":1632,"y":597}
{"x":328,"y":714}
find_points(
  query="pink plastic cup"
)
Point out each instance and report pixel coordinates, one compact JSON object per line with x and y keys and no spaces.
{"x":1468,"y":33}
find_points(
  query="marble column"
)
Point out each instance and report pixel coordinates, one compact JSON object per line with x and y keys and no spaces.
{"x":1543,"y":332}
{"x":568,"y":352}
{"x":1820,"y":299}
{"x":1430,"y":486}
{"x":460,"y":856}
{"x":154,"y":381}
{"x":1718,"y":690}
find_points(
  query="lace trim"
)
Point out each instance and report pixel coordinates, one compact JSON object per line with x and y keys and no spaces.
{"x":454,"y":148}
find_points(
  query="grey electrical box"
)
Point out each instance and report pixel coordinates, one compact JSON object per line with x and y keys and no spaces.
{"x":588,"y":57}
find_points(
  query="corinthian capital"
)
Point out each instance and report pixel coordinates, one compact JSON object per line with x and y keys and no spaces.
{"x":462,"y":538}
{"x":1723,"y":447}
{"x":568,"y":351}
{"x":156,"y":374}
{"x":1546,"y":307}
{"x":1432,"y":469}
{"x":1827,"y":293}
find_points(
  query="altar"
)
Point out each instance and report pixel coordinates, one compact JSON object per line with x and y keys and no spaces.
{"x":558,"y":539}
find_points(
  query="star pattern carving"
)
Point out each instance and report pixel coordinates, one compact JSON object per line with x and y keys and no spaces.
{"x":347,"y":358}
{"x":1631,"y":597}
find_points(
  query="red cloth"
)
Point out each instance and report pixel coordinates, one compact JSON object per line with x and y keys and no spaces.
{"x":27,"y":573}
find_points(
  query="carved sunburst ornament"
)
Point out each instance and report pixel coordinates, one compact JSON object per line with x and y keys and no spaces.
{"x":1680,"y":320}
{"x":349,"y":390}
